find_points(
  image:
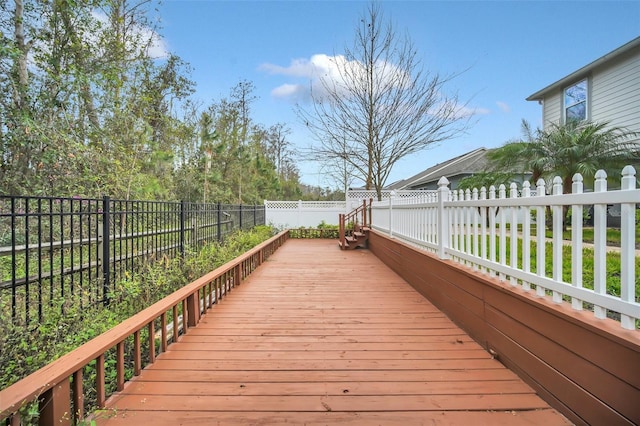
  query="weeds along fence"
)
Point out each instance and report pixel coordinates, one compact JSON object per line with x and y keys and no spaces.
{"x":61,"y":252}
{"x":497,"y":232}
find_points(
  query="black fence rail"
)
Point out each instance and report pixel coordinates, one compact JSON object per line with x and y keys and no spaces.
{"x":59,"y":252}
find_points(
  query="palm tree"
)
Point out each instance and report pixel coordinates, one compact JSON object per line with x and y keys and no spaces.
{"x":585,"y":148}
{"x":566,"y":149}
{"x":516,"y":156}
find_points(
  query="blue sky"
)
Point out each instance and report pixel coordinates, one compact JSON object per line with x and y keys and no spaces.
{"x":509,"y":49}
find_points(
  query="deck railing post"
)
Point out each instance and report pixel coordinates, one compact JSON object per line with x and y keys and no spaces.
{"x":443,"y":218}
{"x":193,"y":309}
{"x":55,"y":405}
{"x":364,"y":212}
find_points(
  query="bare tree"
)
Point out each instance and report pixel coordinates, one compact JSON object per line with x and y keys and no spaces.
{"x":379,"y":105}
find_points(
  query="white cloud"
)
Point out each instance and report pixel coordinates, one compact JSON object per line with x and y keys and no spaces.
{"x":504,"y":107}
{"x":308,"y":74}
{"x":157,"y":47}
{"x":466,"y":111}
{"x":321,"y":71}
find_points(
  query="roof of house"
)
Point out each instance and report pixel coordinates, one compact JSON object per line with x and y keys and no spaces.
{"x":571,"y":78}
{"x":469,"y":163}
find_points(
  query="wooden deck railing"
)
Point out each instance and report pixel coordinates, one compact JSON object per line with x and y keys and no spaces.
{"x":58,"y":387}
{"x":360,"y":217}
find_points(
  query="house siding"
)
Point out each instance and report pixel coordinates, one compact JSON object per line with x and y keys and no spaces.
{"x":552,"y":110}
{"x":614,"y":94}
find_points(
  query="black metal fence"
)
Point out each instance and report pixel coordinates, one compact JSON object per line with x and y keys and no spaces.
{"x":56,"y":251}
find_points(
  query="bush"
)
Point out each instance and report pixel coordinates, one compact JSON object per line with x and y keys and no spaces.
{"x":22,"y":353}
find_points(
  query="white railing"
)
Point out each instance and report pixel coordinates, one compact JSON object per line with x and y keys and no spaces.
{"x":355,"y":197}
{"x":495,"y":232}
{"x":308,"y":214}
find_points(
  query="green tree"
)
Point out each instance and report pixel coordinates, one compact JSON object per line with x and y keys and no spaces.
{"x":566,"y":149}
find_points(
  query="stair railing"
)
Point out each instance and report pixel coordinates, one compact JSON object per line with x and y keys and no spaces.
{"x":354,"y":221}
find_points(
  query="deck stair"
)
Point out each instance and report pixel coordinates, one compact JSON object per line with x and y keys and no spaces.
{"x":355,"y":227}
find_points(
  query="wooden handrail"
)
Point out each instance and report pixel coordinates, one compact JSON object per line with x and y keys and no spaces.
{"x":361,"y":217}
{"x":51,"y":385}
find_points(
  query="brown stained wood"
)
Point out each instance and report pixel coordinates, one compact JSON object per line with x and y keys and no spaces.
{"x":152,"y":342}
{"x":15,"y":396}
{"x":320,"y":377}
{"x":55,"y":407}
{"x":348,"y":403}
{"x":137,"y":354}
{"x":492,"y":418}
{"x":320,"y":335}
{"x":163,"y":332}
{"x":100,"y":375}
{"x":216,"y":354}
{"x":488,"y":387}
{"x":620,"y":396}
{"x":594,"y":349}
{"x":120,"y":366}
{"x":174,"y":321}
{"x":567,"y":356}
{"x":78,"y":395}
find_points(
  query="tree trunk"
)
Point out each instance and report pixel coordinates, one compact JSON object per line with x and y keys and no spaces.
{"x":20,"y":92}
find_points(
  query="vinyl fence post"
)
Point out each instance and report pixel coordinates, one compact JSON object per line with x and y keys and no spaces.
{"x":443,"y":218}
{"x":106,"y":248}
{"x":391,"y":195}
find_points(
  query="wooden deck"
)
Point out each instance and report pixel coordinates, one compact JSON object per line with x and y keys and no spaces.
{"x":322,"y":336}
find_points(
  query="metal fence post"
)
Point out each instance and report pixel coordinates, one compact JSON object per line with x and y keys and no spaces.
{"x":255,"y":212}
{"x":219,"y":220}
{"x":106,"y":247}
{"x":182,"y":227}
{"x":240,"y":216}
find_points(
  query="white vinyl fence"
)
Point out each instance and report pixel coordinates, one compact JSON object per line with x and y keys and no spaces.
{"x":298,"y":214}
{"x":309,"y":214}
{"x":494,"y":232}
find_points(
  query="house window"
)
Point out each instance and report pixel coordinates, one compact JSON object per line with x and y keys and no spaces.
{"x":575,"y":102}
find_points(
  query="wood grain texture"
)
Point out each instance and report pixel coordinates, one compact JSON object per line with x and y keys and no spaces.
{"x":318,"y":335}
{"x":585,"y":367}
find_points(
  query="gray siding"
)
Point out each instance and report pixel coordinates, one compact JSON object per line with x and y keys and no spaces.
{"x":615,"y":94}
{"x":552,"y":110}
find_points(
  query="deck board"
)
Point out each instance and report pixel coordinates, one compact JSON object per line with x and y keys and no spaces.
{"x":322,"y":336}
